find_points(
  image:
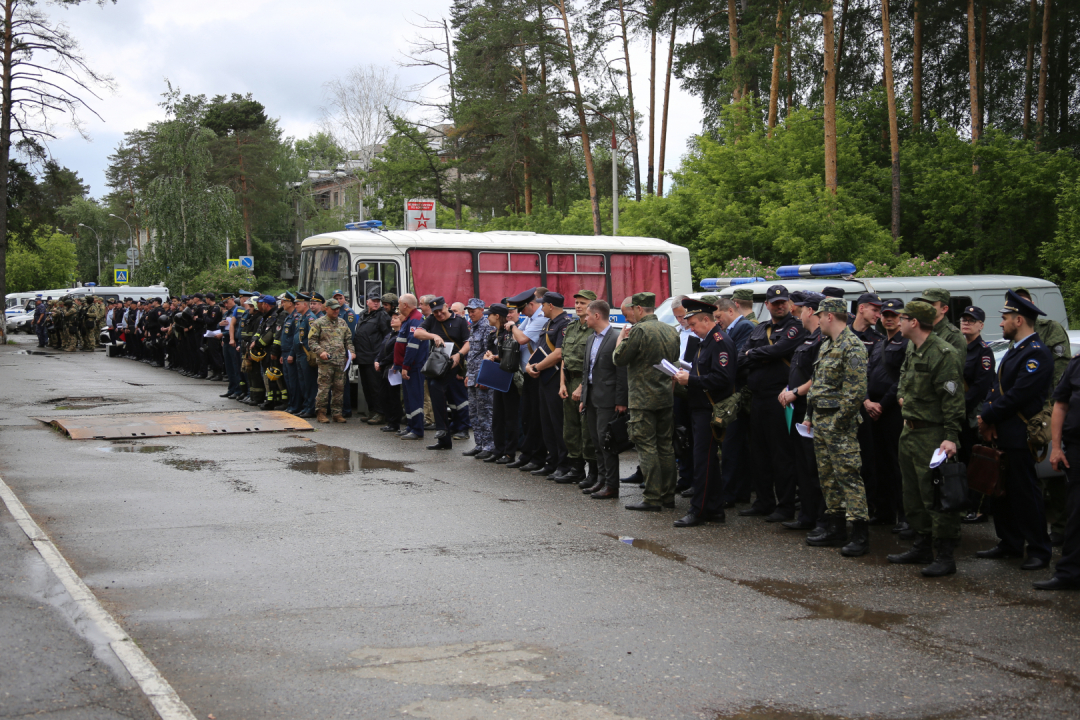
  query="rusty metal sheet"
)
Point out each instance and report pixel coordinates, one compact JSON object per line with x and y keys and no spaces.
{"x":140,"y":425}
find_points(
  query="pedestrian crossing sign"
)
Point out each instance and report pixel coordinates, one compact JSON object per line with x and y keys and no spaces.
{"x":234,"y":263}
{"x":120,"y":276}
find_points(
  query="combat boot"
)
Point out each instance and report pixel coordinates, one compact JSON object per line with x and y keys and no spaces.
{"x":920,"y":553}
{"x":376,"y":419}
{"x":943,"y":564}
{"x":320,"y":414}
{"x":860,"y":540}
{"x":835,"y":532}
{"x":592,"y":478}
{"x":339,"y":418}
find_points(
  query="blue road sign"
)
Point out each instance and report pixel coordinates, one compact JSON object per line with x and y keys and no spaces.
{"x":247,"y":262}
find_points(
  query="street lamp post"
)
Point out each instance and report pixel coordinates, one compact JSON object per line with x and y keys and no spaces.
{"x":131,"y":246}
{"x":614,"y":169}
{"x":98,"y":249}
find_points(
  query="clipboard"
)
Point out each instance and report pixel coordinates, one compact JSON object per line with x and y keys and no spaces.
{"x":545,"y":375}
{"x":494,"y":377}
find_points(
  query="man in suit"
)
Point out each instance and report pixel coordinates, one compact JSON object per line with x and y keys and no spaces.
{"x":602,"y":394}
{"x":1018,"y":393}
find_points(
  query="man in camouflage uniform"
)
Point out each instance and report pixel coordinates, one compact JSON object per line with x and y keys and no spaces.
{"x":98,"y":311}
{"x":70,"y":333}
{"x":331,"y":341}
{"x":572,"y":340}
{"x":88,"y":324}
{"x":832,"y":410}
{"x":940,"y":298}
{"x":931,"y":397}
{"x":481,"y":401}
{"x":651,"y":407}
{"x":744,"y":299}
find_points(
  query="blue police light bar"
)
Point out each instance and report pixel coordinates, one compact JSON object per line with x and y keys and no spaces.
{"x":90,"y":285}
{"x":816,"y":270}
{"x":365,"y":225}
{"x":717,"y":283}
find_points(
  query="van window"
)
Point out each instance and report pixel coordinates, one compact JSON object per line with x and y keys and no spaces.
{"x":956,"y":308}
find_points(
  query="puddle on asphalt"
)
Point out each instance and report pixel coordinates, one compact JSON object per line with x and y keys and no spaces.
{"x":190,"y":465}
{"x":318,"y":459}
{"x":797,"y":593}
{"x":135,"y":448}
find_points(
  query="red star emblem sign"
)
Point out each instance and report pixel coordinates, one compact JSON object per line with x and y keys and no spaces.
{"x":421,"y":222}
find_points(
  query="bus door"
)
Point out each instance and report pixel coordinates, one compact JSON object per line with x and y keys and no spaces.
{"x":379,"y":276}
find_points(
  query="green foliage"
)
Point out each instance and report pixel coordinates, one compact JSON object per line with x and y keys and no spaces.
{"x":220,"y":279}
{"x":46,"y":262}
{"x":910,"y":266}
{"x":1060,"y":254}
{"x":408,"y":168}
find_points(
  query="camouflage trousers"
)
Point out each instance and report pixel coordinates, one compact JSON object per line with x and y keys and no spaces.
{"x":916,"y":449}
{"x":576,"y":435}
{"x":331,"y":380}
{"x":88,"y":339}
{"x":650,"y":431}
{"x":839,"y":463}
{"x":480,"y":414}
{"x":69,"y":339}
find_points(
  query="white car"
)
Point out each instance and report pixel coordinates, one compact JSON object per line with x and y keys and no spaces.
{"x":20,"y":322}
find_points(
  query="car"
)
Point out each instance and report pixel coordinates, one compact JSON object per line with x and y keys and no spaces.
{"x":22,"y":322}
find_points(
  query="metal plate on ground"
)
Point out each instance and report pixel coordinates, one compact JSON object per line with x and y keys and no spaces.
{"x":140,"y":425}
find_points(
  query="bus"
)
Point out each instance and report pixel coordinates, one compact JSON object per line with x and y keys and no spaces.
{"x":459,"y":264}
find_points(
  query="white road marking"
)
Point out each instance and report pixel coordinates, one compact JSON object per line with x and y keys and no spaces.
{"x":161,"y":695}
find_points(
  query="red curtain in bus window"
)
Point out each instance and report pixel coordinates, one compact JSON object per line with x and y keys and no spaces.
{"x":505,"y":274}
{"x":639,"y":273}
{"x":442,"y":272}
{"x":569,"y":273}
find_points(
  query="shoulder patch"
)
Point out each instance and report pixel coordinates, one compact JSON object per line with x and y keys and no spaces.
{"x":716,"y":337}
{"x":723,"y":358}
{"x":1059,"y":350}
{"x":987,"y":362}
{"x":792,"y":332}
{"x":950,"y":387}
{"x":1032,"y":365}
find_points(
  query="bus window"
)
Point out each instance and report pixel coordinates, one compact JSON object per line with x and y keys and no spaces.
{"x":632,"y":273}
{"x":447,"y":273}
{"x":373,"y":271}
{"x":567,"y":273}
{"x":505,"y":274}
{"x":324,"y":270}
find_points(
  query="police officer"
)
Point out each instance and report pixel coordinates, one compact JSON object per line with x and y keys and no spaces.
{"x":832,"y":410}
{"x":447,"y":333}
{"x":638,"y":348}
{"x":545,"y":367}
{"x":41,"y":314}
{"x":735,"y":449}
{"x":370,"y":331}
{"x":978,"y":377}
{"x":410,"y":353}
{"x":931,"y":399}
{"x":576,"y":435}
{"x":230,"y":340}
{"x":527,"y":331}
{"x":479,"y":397}
{"x":709,"y":381}
{"x":212,"y":316}
{"x":800,"y":379}
{"x":885,"y":495}
{"x":767,"y":359}
{"x":306,"y":362}
{"x":1018,"y":392}
{"x":1065,"y":455}
{"x":505,"y":406}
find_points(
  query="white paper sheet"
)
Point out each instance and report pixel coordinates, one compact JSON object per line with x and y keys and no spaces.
{"x":212,"y":334}
{"x":805,"y":431}
{"x":938,"y":458}
{"x":667,"y":368}
{"x":394,"y":377}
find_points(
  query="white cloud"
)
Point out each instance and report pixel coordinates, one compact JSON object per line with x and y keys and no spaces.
{"x":281,"y":52}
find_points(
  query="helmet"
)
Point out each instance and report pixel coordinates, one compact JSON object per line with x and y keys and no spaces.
{"x":273,"y":374}
{"x":257,"y":354}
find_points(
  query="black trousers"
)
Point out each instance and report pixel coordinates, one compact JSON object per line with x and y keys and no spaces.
{"x":884,"y":493}
{"x":774,"y":457}
{"x":505,"y":407}
{"x":1068,"y":567}
{"x":371,"y":382}
{"x":532,"y":447}
{"x":735,"y":460}
{"x":551,"y":424}
{"x":214,"y":356}
{"x":811,"y":501}
{"x":449,"y":390}
{"x":1020,"y":515}
{"x":708,"y":499}
{"x":685,"y":462}
{"x":607,"y":462}
{"x":391,"y":398}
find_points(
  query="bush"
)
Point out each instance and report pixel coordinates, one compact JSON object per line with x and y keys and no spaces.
{"x":910,"y":266}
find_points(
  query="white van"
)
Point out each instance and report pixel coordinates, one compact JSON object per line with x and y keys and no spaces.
{"x":111,"y":294}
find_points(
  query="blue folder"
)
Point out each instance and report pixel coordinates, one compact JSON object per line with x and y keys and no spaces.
{"x":494,"y":377}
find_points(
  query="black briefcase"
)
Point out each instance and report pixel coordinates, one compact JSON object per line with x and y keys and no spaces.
{"x":617,"y":434}
{"x":950,"y":486}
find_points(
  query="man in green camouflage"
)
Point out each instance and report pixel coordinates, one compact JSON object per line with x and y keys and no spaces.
{"x":931,"y":397}
{"x":579,"y":446}
{"x":939,"y":299}
{"x":70,"y":333}
{"x":98,"y":311}
{"x":638,"y":348}
{"x":744,"y":299}
{"x":331,"y":340}
{"x":832,"y":410}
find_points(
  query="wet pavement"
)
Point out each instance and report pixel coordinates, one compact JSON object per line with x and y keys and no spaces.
{"x":345,"y":573}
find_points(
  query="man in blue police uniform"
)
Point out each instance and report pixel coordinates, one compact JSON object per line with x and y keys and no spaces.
{"x":544,"y":367}
{"x":711,"y":379}
{"x":305,"y":360}
{"x":290,"y":329}
{"x":527,"y":334}
{"x":767,"y":358}
{"x":735,"y":450}
{"x":1019,"y":391}
{"x":41,"y":315}
{"x":444,"y":329}
{"x":978,"y":379}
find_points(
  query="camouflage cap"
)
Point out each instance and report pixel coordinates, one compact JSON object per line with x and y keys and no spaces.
{"x":644,"y":299}
{"x":332,"y":304}
{"x":831,"y":305}
{"x":933,"y":295}
{"x":920,"y":310}
{"x":586,"y":294}
{"x":474,"y":304}
{"x":744,"y":294}
{"x":711,"y":299}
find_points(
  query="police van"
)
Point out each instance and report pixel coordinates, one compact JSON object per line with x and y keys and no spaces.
{"x":984,"y":291}
{"x":112,"y":294}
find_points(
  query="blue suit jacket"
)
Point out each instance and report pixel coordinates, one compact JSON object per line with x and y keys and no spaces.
{"x":1021,"y":386}
{"x":740,"y":333}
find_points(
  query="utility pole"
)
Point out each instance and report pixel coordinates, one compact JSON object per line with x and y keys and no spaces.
{"x":131,"y":253}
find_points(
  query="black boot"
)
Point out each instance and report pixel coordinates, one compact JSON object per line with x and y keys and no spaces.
{"x":860,"y":540}
{"x":576,"y":474}
{"x":591,"y":478}
{"x":636,"y":477}
{"x":920,"y":553}
{"x":835,"y":532}
{"x":943,"y":564}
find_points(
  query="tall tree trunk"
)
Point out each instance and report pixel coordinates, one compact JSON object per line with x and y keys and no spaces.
{"x":973,"y":73}
{"x":1040,"y":109}
{"x":982,"y":71}
{"x":790,"y":81}
{"x":545,"y":138}
{"x":1029,"y":69}
{"x":453,"y":113}
{"x":652,"y":108}
{"x":830,"y":100}
{"x":630,"y":98}
{"x":1064,"y":72}
{"x":733,"y":38}
{"x":840,"y":40}
{"x":667,"y":96}
{"x":5,"y":144}
{"x":244,"y":195}
{"x":916,"y":69}
{"x":894,"y":132}
{"x":774,"y":85}
{"x":525,"y":165}
{"x":589,"y":169}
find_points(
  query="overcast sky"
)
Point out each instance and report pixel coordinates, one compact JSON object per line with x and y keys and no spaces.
{"x":281,"y":52}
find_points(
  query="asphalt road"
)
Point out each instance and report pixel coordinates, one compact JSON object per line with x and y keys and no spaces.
{"x":345,"y":573}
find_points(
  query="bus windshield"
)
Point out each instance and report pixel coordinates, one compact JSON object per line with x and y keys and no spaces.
{"x":324,"y":270}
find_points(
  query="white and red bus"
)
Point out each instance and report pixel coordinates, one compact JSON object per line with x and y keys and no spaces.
{"x":458,"y":265}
